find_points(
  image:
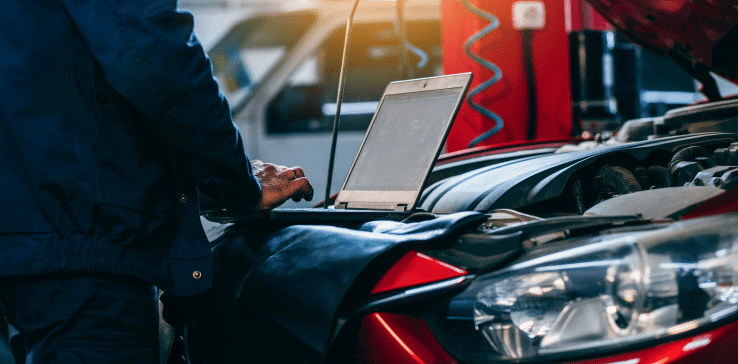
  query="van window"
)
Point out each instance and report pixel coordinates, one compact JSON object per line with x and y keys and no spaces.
{"x":252,"y":49}
{"x":307,"y":103}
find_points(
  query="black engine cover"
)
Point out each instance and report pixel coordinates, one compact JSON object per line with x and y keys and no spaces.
{"x":520,"y":183}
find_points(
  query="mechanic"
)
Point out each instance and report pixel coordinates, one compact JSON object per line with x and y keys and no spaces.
{"x":111,"y":123}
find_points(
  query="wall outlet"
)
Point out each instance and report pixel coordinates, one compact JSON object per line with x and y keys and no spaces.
{"x":529,"y":15}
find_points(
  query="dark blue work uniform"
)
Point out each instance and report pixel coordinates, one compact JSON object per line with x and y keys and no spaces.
{"x":110,"y":121}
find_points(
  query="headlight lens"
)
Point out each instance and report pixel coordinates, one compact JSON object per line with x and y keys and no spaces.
{"x":601,"y":293}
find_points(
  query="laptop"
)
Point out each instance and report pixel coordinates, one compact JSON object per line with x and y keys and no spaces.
{"x":400,"y":147}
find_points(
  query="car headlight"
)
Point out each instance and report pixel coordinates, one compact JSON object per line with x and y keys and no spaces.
{"x":601,"y":294}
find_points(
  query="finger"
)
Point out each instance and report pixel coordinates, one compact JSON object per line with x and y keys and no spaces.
{"x":300,"y":188}
{"x":284,"y":174}
{"x":298,"y":172}
{"x":299,"y":194}
{"x":294,"y":190}
{"x":307,"y":191}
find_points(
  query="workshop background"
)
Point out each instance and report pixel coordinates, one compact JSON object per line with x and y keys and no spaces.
{"x":278,"y":61}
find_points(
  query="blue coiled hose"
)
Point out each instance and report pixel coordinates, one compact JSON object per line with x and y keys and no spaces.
{"x":493,"y":24}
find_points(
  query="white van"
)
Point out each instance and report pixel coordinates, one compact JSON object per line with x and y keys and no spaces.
{"x":279,"y":70}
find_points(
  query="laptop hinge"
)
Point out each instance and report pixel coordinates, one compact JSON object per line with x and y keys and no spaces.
{"x":342,"y":205}
{"x":401,"y":207}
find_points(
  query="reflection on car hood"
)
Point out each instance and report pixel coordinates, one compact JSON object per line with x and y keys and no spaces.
{"x":701,"y":30}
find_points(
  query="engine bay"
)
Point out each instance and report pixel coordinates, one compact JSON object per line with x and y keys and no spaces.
{"x":665,"y":164}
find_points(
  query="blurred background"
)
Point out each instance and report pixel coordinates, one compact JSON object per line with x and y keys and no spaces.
{"x":543,"y":70}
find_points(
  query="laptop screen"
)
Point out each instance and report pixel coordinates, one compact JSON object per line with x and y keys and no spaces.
{"x":403,"y":141}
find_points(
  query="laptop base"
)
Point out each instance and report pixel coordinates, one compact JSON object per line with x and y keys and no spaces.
{"x":309,"y":216}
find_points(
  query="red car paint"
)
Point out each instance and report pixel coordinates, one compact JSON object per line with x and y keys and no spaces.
{"x":415,"y":269}
{"x":693,"y":25}
{"x":714,"y":347}
{"x":400,"y":339}
{"x":724,"y":203}
{"x":583,"y":17}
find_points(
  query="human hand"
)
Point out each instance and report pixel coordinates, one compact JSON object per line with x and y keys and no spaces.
{"x":278,"y":183}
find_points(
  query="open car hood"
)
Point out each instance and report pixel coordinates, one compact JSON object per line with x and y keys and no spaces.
{"x":700,"y":35}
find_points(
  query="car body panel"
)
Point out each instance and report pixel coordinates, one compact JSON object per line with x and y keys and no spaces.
{"x":402,"y":339}
{"x":688,"y":27}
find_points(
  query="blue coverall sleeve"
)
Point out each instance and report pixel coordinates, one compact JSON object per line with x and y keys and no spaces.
{"x":150,"y":55}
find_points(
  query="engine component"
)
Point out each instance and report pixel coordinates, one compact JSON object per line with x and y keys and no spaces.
{"x":656,"y":204}
{"x":727,"y":156}
{"x":576,"y":190}
{"x":541,"y":180}
{"x":618,"y":179}
{"x":503,"y":217}
{"x":689,"y":154}
{"x":686,"y":171}
{"x":484,"y":248}
{"x":688,"y":162}
{"x":636,"y":130}
{"x":715,"y":117}
{"x":722,"y":177}
{"x":653,"y":177}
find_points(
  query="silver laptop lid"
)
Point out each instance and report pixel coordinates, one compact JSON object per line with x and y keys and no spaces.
{"x":402,"y":143}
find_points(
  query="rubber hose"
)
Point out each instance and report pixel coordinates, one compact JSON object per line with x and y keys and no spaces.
{"x":657,"y":173}
{"x":620,"y":180}
{"x":688,"y":154}
{"x":576,"y":189}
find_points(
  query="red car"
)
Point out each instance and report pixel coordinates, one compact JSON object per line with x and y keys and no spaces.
{"x":619,"y":252}
{"x":646,"y":273}
{"x":622,"y":251}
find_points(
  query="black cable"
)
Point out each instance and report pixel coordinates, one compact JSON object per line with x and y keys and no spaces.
{"x":531,"y":78}
{"x":339,"y":99}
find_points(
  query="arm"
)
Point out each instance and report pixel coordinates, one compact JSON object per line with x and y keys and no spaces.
{"x":149,"y":55}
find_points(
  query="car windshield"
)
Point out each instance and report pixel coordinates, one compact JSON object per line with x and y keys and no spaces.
{"x":252,"y":49}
